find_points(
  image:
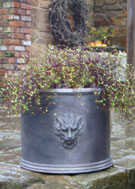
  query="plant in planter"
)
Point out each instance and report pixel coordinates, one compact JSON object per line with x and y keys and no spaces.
{"x":65,"y":98}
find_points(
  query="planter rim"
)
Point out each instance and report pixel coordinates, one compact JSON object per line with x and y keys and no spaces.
{"x":73,"y":90}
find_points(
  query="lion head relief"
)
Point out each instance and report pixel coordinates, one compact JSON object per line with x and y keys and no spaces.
{"x":68,"y":127}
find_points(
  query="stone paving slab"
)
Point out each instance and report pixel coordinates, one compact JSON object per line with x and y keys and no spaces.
{"x":120,"y":176}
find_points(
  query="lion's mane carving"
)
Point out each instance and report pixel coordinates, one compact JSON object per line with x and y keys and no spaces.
{"x":68,"y":127}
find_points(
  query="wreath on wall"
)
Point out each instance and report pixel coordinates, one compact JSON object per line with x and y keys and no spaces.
{"x":59,"y":23}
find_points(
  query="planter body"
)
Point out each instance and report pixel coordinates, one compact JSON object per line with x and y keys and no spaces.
{"x":72,"y":137}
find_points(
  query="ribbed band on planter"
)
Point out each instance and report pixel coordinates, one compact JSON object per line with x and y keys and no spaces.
{"x":72,"y":137}
{"x":67,"y":169}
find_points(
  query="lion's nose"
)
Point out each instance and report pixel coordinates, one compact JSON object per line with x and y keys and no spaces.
{"x":69,"y":134}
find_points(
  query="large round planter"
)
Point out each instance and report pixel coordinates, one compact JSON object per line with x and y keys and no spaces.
{"x":72,"y":137}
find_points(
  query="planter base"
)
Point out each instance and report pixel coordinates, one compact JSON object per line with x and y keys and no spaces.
{"x":67,"y":169}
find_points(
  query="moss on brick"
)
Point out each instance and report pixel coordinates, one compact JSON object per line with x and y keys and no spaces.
{"x":8,"y":54}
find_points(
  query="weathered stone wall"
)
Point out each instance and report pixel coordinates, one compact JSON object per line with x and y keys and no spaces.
{"x":15,"y":38}
{"x":114,"y":13}
{"x":41,"y":35}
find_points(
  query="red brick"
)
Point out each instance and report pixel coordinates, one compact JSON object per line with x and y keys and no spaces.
{"x":28,"y":12}
{"x":2,"y":72}
{"x":9,"y":72}
{"x":11,"y":29}
{"x":11,"y":48}
{"x":3,"y":60}
{"x":15,"y":29}
{"x":25,"y":6}
{"x":17,"y":54}
{"x":28,"y":37}
{"x":16,"y":4}
{"x":3,"y":23}
{"x":28,"y":24}
{"x":17,"y":11}
{"x":0,"y":53}
{"x":3,"y":11}
{"x":11,"y":60}
{"x":8,"y":66}
{"x":4,"y":35}
{"x":28,"y":49}
{"x":1,"y":84}
{"x":16,"y":23}
{"x":5,"y":17}
{"x":25,"y":30}
{"x":24,"y":54}
{"x":19,"y":36}
{"x":11,"y":42}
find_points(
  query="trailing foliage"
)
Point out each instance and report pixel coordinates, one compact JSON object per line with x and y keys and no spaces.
{"x":73,"y":68}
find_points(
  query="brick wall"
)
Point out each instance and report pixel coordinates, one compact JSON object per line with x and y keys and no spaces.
{"x":114,"y":13}
{"x":15,"y":34}
{"x":24,"y":27}
{"x":24,"y":30}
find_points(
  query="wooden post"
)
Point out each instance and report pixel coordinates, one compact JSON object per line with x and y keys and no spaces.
{"x":131,"y":31}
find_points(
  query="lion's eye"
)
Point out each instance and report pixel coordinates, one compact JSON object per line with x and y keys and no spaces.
{"x":63,"y":129}
{"x":73,"y":129}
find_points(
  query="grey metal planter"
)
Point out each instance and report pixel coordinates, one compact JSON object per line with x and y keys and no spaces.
{"x":72,"y":137}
